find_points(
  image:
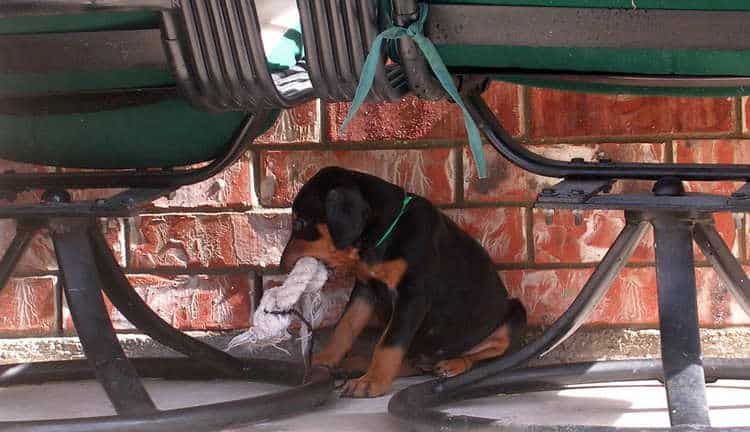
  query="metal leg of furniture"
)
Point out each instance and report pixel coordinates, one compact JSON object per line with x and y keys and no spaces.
{"x":682,"y":369}
{"x":24,"y":234}
{"x":122,"y":295}
{"x":83,"y":293}
{"x":723,"y":261}
{"x":87,"y":267}
{"x":678,"y":320}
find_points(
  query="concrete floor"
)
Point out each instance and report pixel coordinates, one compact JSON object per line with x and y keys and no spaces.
{"x":631,"y":404}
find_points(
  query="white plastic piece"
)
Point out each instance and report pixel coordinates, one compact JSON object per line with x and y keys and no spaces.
{"x":269,"y":328}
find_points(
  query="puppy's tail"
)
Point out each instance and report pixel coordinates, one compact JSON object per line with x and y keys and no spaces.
{"x":515,"y":319}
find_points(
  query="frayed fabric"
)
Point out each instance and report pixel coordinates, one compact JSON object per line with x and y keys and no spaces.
{"x":274,"y":314}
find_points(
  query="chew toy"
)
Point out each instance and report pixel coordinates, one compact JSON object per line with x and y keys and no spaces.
{"x":274,"y":314}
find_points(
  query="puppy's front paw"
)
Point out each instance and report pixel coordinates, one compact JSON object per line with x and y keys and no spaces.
{"x":452,"y":367}
{"x":365,"y":387}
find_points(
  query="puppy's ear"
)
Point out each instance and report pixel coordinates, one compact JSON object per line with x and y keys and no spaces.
{"x":347,"y":213}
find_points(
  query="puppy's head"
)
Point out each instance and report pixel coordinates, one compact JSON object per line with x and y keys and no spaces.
{"x":329,"y":215}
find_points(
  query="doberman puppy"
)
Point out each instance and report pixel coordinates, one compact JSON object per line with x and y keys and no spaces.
{"x":436,"y":287}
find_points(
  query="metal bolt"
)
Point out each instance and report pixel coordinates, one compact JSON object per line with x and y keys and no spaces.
{"x":56,"y":196}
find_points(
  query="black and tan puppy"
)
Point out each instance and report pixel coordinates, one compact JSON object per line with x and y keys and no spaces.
{"x":436,"y":286}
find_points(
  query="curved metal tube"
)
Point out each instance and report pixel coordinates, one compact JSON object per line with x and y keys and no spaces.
{"x":415,"y":403}
{"x":217,"y":416}
{"x":517,"y":154}
{"x":122,"y":295}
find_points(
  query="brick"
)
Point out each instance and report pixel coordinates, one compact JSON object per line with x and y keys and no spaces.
{"x":189,"y":302}
{"x":27,"y":305}
{"x":333,"y":297}
{"x":300,"y":124}
{"x":565,"y":242}
{"x":416,"y":119}
{"x":548,"y":293}
{"x":725,"y":225}
{"x":717,"y":306}
{"x":508,"y":183}
{"x":430,"y":173}
{"x":555,"y":113}
{"x":39,"y":256}
{"x":632,"y":299}
{"x":190,"y":241}
{"x":230,"y":188}
{"x":501,"y":231}
{"x":717,"y":151}
{"x":114,"y":232}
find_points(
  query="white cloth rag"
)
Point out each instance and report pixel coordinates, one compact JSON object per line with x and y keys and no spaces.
{"x":269,"y":328}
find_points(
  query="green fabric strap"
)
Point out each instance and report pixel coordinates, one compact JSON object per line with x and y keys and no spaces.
{"x":432,"y":56}
{"x":389,"y":231}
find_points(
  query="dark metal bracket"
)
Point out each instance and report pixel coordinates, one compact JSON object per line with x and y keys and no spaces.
{"x":571,"y":191}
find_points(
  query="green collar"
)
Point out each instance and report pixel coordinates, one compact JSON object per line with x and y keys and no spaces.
{"x":407,"y":199}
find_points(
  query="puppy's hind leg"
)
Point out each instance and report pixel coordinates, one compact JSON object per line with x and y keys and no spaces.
{"x":493,"y":346}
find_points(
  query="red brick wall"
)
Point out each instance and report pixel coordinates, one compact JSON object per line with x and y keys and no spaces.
{"x":199,"y":257}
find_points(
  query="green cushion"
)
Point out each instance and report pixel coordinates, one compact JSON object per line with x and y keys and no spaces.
{"x":740,"y":5}
{"x":608,"y":60}
{"x":165,"y":134}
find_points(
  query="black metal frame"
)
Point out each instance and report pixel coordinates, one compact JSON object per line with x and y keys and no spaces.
{"x":682,"y":368}
{"x":88,"y":268}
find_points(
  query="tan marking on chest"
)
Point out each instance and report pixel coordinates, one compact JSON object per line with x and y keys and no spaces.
{"x":388,"y":272}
